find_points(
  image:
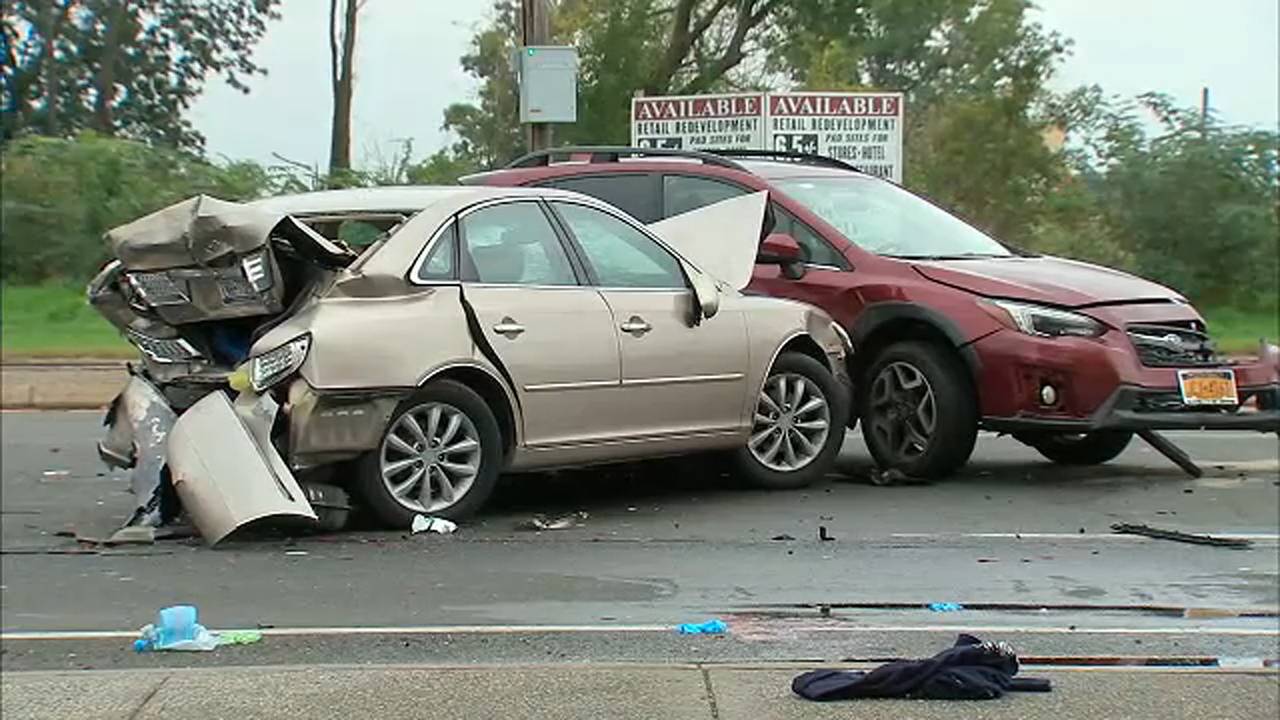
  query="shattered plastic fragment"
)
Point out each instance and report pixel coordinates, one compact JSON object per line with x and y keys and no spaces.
{"x":542,"y":522}
{"x":175,"y":629}
{"x":424,"y":524}
{"x":710,"y":627}
{"x":238,"y":637}
{"x":945,"y":607}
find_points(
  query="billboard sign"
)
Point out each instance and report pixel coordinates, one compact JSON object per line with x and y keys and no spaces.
{"x":695,"y":122}
{"x":863,"y":129}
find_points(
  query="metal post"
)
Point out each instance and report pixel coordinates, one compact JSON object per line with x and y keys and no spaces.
{"x":1204,"y":109}
{"x":535,"y":29}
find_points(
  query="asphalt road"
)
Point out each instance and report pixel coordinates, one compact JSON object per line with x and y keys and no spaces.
{"x":667,"y":543}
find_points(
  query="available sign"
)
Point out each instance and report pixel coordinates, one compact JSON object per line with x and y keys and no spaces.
{"x":863,"y":129}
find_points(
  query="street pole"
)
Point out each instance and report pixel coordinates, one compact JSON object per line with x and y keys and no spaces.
{"x":535,"y":29}
{"x":1204,"y":109}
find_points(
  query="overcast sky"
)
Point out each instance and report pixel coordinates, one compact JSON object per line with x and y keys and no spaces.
{"x":407,"y":69}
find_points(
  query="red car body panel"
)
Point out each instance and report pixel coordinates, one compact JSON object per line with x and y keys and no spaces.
{"x":1102,"y":382}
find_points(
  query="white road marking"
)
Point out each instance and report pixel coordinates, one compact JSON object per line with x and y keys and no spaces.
{"x":1256,"y":537}
{"x":37,"y":635}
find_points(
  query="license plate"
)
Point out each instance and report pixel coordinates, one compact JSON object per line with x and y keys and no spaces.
{"x":1208,"y":387}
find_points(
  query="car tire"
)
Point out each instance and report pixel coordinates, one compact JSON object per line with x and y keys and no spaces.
{"x":918,"y":409}
{"x":471,"y":472}
{"x":1092,"y":448}
{"x":812,"y":449}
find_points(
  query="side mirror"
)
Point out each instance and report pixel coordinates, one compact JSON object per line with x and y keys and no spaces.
{"x":783,"y":250}
{"x":705,"y":293}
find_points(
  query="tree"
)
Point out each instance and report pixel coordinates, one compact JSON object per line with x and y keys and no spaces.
{"x":657,"y":46}
{"x":1196,"y":205}
{"x":973,"y":73}
{"x":342,"y":51}
{"x":123,"y":67}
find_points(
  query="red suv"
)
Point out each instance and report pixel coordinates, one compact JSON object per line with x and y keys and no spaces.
{"x":954,"y":331}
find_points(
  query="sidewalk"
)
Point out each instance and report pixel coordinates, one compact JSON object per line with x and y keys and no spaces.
{"x":582,"y":692}
{"x":60,"y":384}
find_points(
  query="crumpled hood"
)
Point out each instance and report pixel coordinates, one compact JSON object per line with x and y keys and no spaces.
{"x":1044,"y":279}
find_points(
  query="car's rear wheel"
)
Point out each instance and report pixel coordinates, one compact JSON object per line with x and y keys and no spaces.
{"x":918,"y":410}
{"x":798,"y":426}
{"x":1092,"y":448}
{"x":440,"y":455}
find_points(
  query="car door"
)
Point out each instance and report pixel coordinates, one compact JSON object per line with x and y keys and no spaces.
{"x":679,"y":376}
{"x":553,"y":333}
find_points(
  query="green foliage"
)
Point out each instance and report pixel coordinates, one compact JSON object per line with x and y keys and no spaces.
{"x":1195,"y":205}
{"x":122,"y":67}
{"x":54,"y":320}
{"x":60,"y":196}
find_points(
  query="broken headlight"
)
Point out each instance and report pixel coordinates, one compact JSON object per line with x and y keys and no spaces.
{"x":273,"y":366}
{"x":1043,"y":321}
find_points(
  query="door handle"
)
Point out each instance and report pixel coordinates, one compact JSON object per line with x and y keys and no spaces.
{"x":508,"y":328}
{"x":636,"y":326}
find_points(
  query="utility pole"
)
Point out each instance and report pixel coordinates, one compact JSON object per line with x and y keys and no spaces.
{"x":1204,"y":109}
{"x":535,"y":29}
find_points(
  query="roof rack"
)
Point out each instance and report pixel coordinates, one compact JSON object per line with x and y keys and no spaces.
{"x":611,"y":153}
{"x":786,"y":156}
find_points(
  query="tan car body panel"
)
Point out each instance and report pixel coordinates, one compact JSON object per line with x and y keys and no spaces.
{"x":675,"y":389}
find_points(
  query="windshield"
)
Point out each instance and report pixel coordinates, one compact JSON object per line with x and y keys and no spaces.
{"x":884,"y":219}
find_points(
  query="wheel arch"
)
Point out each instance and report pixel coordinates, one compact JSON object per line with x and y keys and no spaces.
{"x":885,"y":323}
{"x":492,"y":390}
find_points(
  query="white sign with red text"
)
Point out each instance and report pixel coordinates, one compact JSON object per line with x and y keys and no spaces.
{"x":863,"y":129}
{"x":699,"y":122}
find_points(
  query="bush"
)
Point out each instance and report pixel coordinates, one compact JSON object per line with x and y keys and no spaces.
{"x":60,"y":196}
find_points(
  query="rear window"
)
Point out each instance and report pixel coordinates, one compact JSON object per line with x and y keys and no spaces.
{"x":634,"y":193}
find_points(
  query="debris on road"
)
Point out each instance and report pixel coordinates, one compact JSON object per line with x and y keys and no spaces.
{"x":540,"y":522}
{"x":54,"y":474}
{"x":893,"y":476}
{"x":423,"y":524}
{"x":969,"y":670}
{"x":134,"y":535}
{"x":1178,"y":536}
{"x":238,"y":637}
{"x":783,"y":536}
{"x":710,"y":627}
{"x":945,"y":607}
{"x":296,"y":553}
{"x":822,"y":534}
{"x":176,"y":628}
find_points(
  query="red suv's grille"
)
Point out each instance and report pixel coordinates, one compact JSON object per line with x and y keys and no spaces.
{"x":1173,"y":344}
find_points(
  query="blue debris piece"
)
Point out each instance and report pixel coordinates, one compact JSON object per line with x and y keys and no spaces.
{"x":710,"y":627}
{"x":945,"y":607}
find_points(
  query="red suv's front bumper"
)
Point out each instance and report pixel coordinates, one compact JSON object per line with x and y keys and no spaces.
{"x":1101,"y":384}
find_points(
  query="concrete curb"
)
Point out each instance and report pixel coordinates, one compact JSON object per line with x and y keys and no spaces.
{"x":60,"y":385}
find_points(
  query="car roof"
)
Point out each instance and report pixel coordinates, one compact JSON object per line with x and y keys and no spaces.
{"x":776,"y":170}
{"x":384,"y":199}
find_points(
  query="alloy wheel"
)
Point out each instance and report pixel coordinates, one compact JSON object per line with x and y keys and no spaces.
{"x":430,"y":457}
{"x":792,"y":420}
{"x":902,"y":410}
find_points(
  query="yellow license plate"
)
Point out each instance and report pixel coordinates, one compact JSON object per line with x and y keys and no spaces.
{"x":1208,"y":387}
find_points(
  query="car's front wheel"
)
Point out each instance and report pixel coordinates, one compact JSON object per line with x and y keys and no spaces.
{"x":440,"y":455}
{"x":918,"y":410}
{"x":798,"y":425}
{"x":1092,"y":448}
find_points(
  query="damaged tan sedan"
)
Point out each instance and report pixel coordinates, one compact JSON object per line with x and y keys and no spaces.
{"x":482,"y":330}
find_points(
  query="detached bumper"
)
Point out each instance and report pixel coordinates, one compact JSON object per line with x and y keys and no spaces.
{"x":225,"y":469}
{"x":1134,"y":408}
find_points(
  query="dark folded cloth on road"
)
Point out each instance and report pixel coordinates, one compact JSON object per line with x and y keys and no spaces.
{"x":969,"y":670}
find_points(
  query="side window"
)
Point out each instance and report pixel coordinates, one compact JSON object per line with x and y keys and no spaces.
{"x":620,"y":255}
{"x":513,"y":243}
{"x":682,"y":193}
{"x":815,"y":249}
{"x":634,"y":193}
{"x":439,"y":265}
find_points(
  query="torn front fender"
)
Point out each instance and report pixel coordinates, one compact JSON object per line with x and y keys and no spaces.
{"x":225,"y":469}
{"x":138,"y":427}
